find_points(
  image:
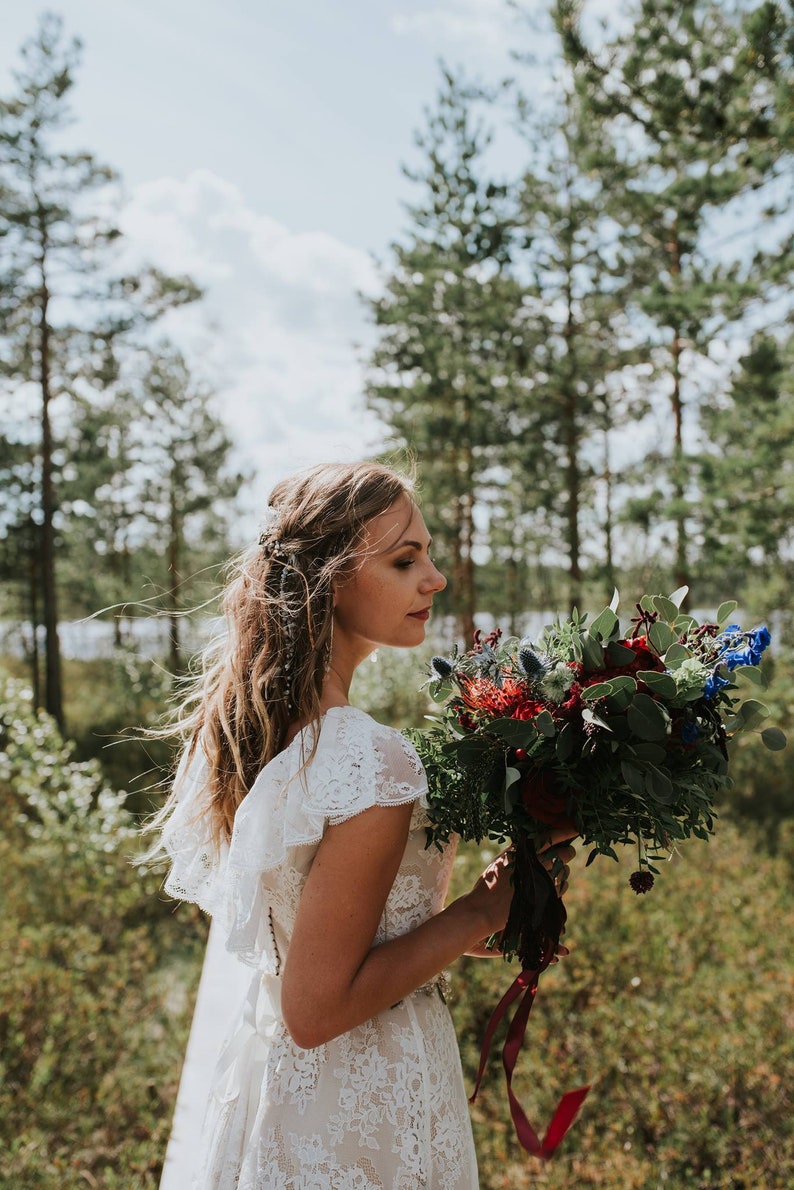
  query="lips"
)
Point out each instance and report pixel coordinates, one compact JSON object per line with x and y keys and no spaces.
{"x":423,"y":615}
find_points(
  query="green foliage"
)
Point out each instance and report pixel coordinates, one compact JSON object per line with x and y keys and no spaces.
{"x":95,"y":987}
{"x":674,"y":1006}
{"x":689,"y":1064}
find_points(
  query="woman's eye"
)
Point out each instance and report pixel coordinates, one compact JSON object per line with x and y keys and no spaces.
{"x":404,"y":563}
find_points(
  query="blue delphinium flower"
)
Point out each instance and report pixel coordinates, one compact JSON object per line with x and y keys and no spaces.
{"x":760,"y":640}
{"x":689,"y":732}
{"x":743,"y":648}
{"x":714,"y":684}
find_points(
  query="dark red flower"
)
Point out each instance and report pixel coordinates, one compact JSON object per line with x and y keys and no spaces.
{"x":641,"y":882}
{"x":544,"y":800}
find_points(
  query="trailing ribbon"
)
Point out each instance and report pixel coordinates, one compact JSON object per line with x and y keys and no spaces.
{"x":527,"y":984}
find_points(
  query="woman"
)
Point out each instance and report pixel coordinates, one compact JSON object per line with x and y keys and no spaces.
{"x":300,"y":821}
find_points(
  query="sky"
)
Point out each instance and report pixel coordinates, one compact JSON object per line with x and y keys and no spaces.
{"x":260,"y":144}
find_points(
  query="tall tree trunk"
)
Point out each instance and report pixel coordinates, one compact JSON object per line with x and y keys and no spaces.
{"x":679,"y":460}
{"x":52,"y":650}
{"x":571,"y":438}
{"x":174,"y":538}
{"x":609,"y":561}
{"x":33,"y":609}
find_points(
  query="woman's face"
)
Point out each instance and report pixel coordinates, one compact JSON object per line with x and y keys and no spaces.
{"x":387,"y":599}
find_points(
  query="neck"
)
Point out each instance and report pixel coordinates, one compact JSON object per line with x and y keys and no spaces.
{"x":337,"y":682}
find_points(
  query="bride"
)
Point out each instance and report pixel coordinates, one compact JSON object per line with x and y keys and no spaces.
{"x":299,"y":823}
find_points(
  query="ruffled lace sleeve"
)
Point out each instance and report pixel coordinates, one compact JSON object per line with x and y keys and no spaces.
{"x":356,"y":765}
{"x":197,"y":862}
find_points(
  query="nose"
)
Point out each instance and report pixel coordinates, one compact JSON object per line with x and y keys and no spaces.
{"x":434,"y":580}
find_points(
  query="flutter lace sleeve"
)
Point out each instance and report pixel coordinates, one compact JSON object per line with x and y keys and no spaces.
{"x":197,"y":863}
{"x":356,"y":765}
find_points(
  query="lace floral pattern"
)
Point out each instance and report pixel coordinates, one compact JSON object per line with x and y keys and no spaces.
{"x":382,"y":1107}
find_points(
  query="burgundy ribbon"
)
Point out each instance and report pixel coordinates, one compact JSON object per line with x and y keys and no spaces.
{"x":527,"y":984}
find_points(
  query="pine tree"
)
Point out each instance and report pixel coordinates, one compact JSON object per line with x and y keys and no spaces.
{"x":183,"y":455}
{"x":689,"y":98}
{"x":450,"y":341}
{"x":574,"y":300}
{"x":64,"y":311}
{"x":746,"y":477}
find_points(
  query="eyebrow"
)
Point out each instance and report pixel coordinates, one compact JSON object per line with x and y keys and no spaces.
{"x":417,"y":545}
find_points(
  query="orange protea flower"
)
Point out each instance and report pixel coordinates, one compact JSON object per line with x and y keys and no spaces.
{"x":511,"y":700}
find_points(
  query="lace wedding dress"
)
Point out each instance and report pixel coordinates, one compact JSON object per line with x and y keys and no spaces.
{"x":382,"y":1107}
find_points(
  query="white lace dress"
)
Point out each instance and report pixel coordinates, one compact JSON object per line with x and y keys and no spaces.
{"x":382,"y":1107}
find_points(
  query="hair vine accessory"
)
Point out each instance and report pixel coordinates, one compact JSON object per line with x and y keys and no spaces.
{"x":271,"y":546}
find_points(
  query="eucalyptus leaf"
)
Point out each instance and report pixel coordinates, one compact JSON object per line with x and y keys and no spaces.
{"x":726,"y":609}
{"x":618,"y":654}
{"x":624,"y":690}
{"x":592,"y":653}
{"x":545,"y":724}
{"x":615,"y":601}
{"x":596,"y":691}
{"x":519,"y":733}
{"x":675,"y":655}
{"x":774,"y":739}
{"x":752,"y":712}
{"x":665,"y":607}
{"x":659,"y":683}
{"x":605,"y":624}
{"x":679,"y":595}
{"x":658,"y":785}
{"x":634,"y":778}
{"x":653,"y":753}
{"x":752,"y":673}
{"x":661,"y":637}
{"x":647,"y":718}
{"x":646,"y":603}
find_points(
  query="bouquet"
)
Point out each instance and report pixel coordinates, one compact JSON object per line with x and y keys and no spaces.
{"x":617,"y":737}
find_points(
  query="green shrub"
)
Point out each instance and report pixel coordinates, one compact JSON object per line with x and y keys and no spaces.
{"x":96,"y":979}
{"x":675,"y":1006}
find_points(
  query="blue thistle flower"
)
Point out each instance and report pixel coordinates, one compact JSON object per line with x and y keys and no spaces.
{"x":441,"y":667}
{"x":531,"y":664}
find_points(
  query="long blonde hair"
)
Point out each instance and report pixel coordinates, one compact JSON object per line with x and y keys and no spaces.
{"x":266,"y":670}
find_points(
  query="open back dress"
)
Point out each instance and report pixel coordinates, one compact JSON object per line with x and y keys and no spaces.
{"x":382,"y":1107}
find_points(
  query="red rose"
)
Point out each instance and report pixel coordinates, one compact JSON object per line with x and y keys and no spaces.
{"x":544,"y":800}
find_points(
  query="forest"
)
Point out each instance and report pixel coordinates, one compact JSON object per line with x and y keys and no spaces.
{"x":588,"y":365}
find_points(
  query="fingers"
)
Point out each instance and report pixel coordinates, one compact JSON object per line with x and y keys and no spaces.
{"x":493,"y":871}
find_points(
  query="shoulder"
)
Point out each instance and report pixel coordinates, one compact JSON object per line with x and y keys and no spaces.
{"x":360,"y":762}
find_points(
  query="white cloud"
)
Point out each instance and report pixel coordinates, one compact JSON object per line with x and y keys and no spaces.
{"x":284,"y":316}
{"x":488,"y":24}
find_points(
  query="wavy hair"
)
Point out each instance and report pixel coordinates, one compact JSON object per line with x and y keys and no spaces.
{"x":265,"y":671}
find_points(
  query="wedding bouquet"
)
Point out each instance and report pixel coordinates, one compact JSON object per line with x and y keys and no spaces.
{"x":619,"y":738}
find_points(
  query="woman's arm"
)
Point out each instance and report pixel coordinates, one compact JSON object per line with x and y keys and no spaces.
{"x":334,"y":978}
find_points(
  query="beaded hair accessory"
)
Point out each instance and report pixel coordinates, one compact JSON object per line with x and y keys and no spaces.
{"x":291,"y":609}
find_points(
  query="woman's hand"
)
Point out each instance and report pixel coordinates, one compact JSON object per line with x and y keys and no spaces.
{"x":556,"y":856}
{"x":492,"y":894}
